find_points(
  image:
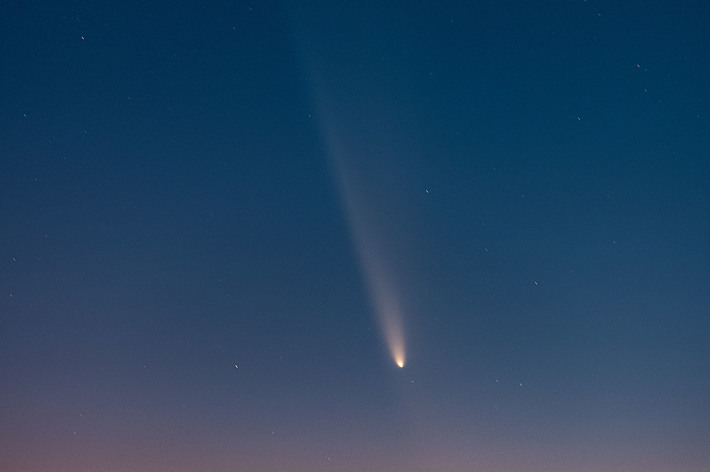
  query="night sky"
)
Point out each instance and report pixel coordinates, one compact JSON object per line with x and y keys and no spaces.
{"x":224,"y":223}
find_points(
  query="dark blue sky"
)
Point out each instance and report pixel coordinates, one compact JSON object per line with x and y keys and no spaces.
{"x":210,"y":211}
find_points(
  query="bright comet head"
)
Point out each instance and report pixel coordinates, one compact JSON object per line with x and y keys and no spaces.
{"x":399,"y":357}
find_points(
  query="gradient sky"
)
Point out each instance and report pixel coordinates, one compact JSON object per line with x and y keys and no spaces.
{"x":209,"y":212}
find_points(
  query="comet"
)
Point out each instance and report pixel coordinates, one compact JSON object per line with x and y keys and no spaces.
{"x":368,"y":227}
{"x":357,"y":151}
{"x":384,"y":295}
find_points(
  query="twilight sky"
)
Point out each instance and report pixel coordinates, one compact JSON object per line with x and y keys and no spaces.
{"x":222,"y":223}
